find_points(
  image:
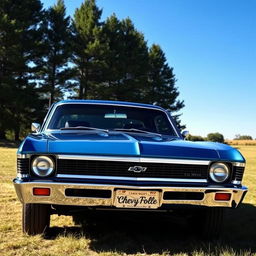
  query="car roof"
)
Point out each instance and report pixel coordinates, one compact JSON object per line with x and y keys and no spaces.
{"x":109,"y":102}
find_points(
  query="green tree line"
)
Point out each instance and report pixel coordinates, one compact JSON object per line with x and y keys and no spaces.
{"x":243,"y":137}
{"x":46,"y":56}
{"x":215,"y":137}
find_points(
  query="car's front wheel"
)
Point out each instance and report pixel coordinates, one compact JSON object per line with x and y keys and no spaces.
{"x":208,"y":222}
{"x":212,"y":223}
{"x":35,"y":218}
{"x":78,"y":219}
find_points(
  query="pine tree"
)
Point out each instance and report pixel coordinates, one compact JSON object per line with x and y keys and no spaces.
{"x":161,"y":82}
{"x":19,"y":37}
{"x":54,"y":71}
{"x":88,"y":48}
{"x":126,"y":61}
{"x":110,"y":60}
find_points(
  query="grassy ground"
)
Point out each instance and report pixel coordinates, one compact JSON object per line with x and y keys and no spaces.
{"x":123,"y":236}
{"x":241,"y":142}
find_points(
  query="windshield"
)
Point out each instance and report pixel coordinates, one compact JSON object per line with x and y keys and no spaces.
{"x":111,"y":117}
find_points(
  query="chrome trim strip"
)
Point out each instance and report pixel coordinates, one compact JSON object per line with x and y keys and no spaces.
{"x":98,"y":158}
{"x":22,"y":176}
{"x":133,"y":159}
{"x":236,"y":182}
{"x":22,"y":156}
{"x":174,"y":161}
{"x":70,"y":176}
{"x":238,"y":164}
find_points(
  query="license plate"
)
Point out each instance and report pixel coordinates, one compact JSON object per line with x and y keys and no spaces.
{"x":137,"y":199}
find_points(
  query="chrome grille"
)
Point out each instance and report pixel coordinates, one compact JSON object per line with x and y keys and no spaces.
{"x":112,"y":168}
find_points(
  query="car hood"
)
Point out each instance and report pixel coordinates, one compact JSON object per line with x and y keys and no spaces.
{"x":122,"y":144}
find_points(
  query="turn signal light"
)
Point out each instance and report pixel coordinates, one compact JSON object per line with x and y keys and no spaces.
{"x":41,"y":191}
{"x":222,"y":196}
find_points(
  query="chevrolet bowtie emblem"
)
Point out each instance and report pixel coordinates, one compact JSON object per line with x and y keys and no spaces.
{"x":137,"y":169}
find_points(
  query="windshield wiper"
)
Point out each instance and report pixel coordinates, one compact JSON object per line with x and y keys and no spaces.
{"x":137,"y":130}
{"x":84,"y":128}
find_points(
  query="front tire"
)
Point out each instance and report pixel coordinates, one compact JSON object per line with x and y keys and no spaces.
{"x":208,"y":222}
{"x":35,"y":218}
{"x":212,"y":223}
{"x":78,"y":219}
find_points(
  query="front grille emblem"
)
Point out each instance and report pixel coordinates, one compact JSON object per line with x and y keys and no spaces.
{"x":137,"y":169}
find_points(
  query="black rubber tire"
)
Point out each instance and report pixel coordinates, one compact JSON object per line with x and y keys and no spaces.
{"x":212,"y":223}
{"x":78,"y":219}
{"x":207,"y":223}
{"x":35,"y":218}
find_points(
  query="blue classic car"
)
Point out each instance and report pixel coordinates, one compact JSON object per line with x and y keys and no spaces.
{"x":107,"y":155}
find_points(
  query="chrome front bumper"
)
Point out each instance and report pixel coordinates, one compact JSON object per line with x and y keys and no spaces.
{"x":24,"y":191}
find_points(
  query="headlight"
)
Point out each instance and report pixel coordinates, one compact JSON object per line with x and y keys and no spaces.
{"x":42,"y":166}
{"x":219,"y":172}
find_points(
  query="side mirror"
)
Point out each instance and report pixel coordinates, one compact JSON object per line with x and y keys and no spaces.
{"x":35,"y":127}
{"x":185,"y":134}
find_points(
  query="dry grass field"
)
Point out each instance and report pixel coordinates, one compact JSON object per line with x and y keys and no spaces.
{"x":241,"y":142}
{"x":124,"y":236}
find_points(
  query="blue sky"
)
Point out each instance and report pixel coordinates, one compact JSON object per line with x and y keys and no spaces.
{"x":211,"y":44}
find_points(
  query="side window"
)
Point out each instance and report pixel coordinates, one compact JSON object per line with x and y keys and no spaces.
{"x":162,"y":125}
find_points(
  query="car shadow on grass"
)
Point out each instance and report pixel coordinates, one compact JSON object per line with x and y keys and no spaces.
{"x":138,"y":233}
